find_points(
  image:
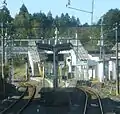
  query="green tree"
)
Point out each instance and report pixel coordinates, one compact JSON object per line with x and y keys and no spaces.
{"x":90,"y":37}
{"x":6,"y":19}
{"x":74,"y":22}
{"x":36,"y":31}
{"x":41,"y":18}
{"x":56,"y":21}
{"x":109,"y":20}
{"x":86,"y":25}
{"x":49,"y":19}
{"x":5,"y":16}
{"x":67,"y":20}
{"x":78,"y":22}
{"x":40,"y":25}
{"x":111,"y":17}
{"x":61,"y":20}
{"x":50,"y":25}
{"x":23,"y":10}
{"x":22,"y":22}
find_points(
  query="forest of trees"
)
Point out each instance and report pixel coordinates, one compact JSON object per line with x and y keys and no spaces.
{"x":40,"y":25}
{"x":37,"y":24}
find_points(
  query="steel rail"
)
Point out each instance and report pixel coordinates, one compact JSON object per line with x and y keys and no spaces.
{"x":98,"y":97}
{"x":24,"y":105}
{"x":29,"y":101}
{"x":86,"y":99}
{"x":14,"y":103}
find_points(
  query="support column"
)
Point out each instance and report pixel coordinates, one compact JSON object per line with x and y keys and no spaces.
{"x":100,"y":71}
{"x":55,"y":68}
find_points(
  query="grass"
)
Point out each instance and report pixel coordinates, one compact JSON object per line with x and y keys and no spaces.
{"x":29,"y":83}
{"x":94,"y":81}
{"x":107,"y":91}
{"x":19,"y":71}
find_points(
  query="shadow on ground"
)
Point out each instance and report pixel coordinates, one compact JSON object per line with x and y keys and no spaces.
{"x":10,"y":90}
{"x":64,"y":101}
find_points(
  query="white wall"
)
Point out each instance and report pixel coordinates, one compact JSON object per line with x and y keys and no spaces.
{"x":69,"y":63}
{"x":94,"y":58}
{"x":31,"y":63}
{"x":100,"y":71}
{"x":73,"y":57}
{"x":114,"y":69}
{"x":110,"y":69}
{"x":96,"y":70}
{"x":80,"y":75}
{"x":86,"y":77}
{"x":90,"y":73}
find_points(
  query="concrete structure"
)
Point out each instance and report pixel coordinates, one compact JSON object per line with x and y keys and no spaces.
{"x":93,"y":63}
{"x":98,"y":67}
{"x":83,"y":65}
{"x":78,"y":56}
{"x":112,"y":68}
{"x":112,"y":63}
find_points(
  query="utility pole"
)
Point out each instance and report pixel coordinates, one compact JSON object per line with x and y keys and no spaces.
{"x":3,"y":57}
{"x":55,"y":61}
{"x":117,"y":61}
{"x":101,"y":38}
{"x":3,"y":50}
{"x":54,"y":68}
{"x":102,"y":51}
{"x":92,"y":12}
{"x":10,"y":49}
{"x":77,"y":52}
{"x":56,"y":35}
{"x":85,"y":11}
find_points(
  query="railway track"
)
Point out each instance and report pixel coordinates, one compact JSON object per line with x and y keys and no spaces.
{"x":21,"y":104}
{"x":88,"y":92}
{"x":86,"y":100}
{"x":14,"y":102}
{"x":92,"y":92}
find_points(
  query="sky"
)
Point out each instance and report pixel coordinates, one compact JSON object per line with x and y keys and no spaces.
{"x":59,"y":6}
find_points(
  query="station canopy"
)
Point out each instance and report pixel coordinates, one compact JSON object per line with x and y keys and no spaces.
{"x":65,"y":44}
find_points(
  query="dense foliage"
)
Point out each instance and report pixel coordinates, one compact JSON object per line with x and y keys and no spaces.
{"x":41,"y":25}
